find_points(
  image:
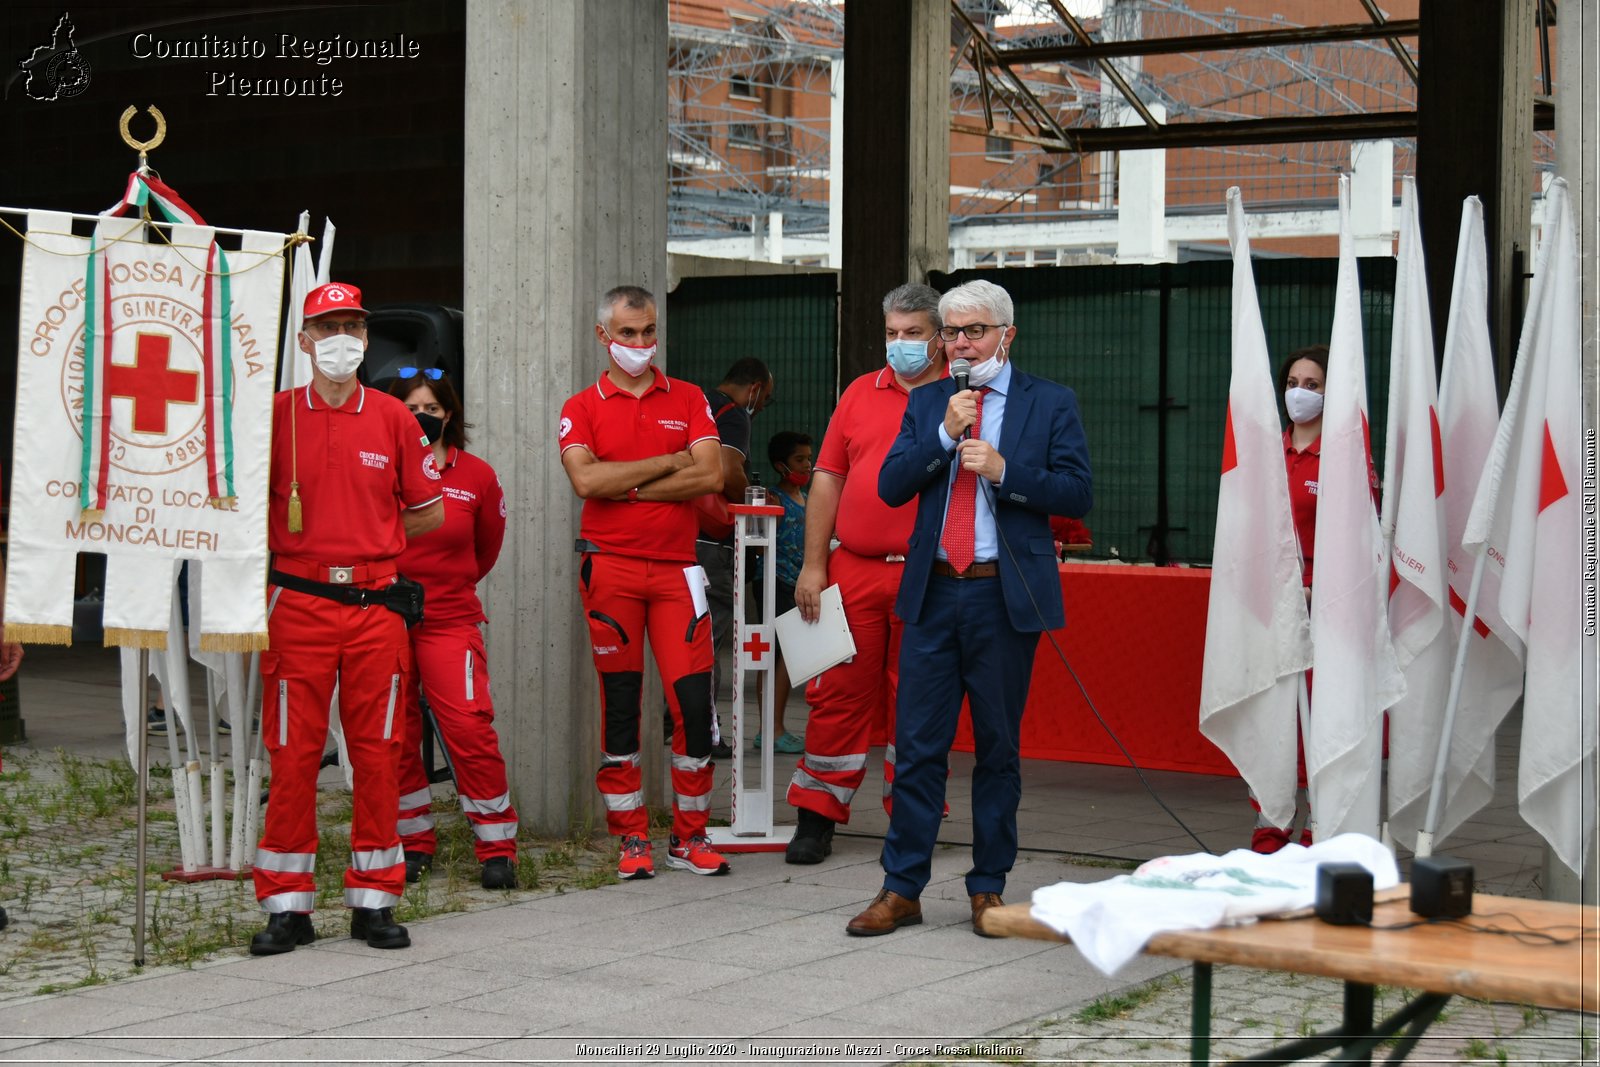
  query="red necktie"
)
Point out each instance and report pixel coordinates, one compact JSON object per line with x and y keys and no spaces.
{"x":961,"y":516}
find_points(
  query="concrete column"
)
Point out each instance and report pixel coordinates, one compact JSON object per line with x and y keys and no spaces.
{"x":566,"y":186}
{"x":1142,"y":199}
{"x":1372,"y":197}
{"x":896,"y":163}
{"x":1577,"y":93}
{"x":836,"y":163}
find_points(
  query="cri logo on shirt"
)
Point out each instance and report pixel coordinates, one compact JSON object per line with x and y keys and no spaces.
{"x":429,"y":468}
{"x":566,"y":428}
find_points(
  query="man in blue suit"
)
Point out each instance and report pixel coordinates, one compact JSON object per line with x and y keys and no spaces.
{"x":989,"y":465}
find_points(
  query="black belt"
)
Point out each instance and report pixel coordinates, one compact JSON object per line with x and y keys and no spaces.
{"x":974,"y":570}
{"x":343,"y":594}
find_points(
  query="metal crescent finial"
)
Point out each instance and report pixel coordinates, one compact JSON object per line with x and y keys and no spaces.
{"x":144,"y":146}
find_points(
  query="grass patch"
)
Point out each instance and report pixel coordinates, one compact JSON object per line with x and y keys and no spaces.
{"x":1122,"y":1004}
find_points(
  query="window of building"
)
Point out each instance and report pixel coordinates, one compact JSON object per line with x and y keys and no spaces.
{"x":997,"y":149}
{"x":740,"y":87}
{"x":744,"y":135}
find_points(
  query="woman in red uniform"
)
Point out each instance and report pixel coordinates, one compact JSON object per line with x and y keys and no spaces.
{"x":1300,"y":381}
{"x":447,"y":647}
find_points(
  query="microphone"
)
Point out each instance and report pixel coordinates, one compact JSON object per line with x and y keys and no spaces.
{"x":959,"y":369}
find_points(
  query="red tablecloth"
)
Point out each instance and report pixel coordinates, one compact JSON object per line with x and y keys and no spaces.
{"x":1136,"y":638}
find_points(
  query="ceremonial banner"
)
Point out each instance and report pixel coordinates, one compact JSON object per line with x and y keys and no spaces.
{"x":1258,"y":640}
{"x":144,"y":393}
{"x":1526,"y":516}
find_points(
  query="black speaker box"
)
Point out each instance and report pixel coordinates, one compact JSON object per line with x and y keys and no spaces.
{"x":1344,"y":894}
{"x":1441,"y":887}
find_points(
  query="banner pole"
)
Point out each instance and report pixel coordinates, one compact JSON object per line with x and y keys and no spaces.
{"x":143,"y":770}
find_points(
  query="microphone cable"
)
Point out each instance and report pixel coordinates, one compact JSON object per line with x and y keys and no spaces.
{"x":990,"y":493}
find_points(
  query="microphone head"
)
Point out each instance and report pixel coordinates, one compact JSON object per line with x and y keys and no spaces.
{"x":959,"y":369}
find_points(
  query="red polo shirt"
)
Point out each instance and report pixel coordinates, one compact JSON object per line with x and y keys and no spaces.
{"x":360,"y":465}
{"x":615,"y":426}
{"x":452,"y":560}
{"x":863,"y":427}
{"x":1304,"y":468}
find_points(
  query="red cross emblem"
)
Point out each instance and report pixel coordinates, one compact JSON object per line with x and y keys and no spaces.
{"x":755,"y":646}
{"x":151,"y":383}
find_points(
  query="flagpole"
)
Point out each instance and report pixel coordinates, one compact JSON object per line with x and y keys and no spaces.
{"x":1303,"y":705}
{"x":143,"y":769}
{"x":1441,"y":762}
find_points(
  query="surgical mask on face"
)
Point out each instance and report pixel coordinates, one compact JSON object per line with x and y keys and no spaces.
{"x":1303,"y":404}
{"x":908,"y":358}
{"x":337,"y":357}
{"x":432,"y":425}
{"x":796,"y":478}
{"x":754,"y":403}
{"x":633,"y":361}
{"x":987,"y":371}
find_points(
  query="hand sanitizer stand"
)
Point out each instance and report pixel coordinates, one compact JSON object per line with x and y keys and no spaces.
{"x":754,"y":656}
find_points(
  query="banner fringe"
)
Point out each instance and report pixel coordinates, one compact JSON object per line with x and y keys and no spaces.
{"x":122,"y":637}
{"x":256,"y":642}
{"x":37,"y":633}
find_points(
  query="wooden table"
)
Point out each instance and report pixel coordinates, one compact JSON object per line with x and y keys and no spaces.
{"x":1443,"y":959}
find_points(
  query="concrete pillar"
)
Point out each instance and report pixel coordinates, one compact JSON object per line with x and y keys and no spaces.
{"x":836,"y":163}
{"x":896,"y":163}
{"x":1142,"y":199}
{"x":566,"y":186}
{"x":1372,"y":197}
{"x":1577,"y":93}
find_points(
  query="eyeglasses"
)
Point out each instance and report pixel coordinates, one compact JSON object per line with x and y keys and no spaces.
{"x":431,"y":373}
{"x":328,"y":329}
{"x":974,"y":331}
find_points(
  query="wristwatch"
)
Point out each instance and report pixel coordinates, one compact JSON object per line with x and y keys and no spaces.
{"x":633,"y":495}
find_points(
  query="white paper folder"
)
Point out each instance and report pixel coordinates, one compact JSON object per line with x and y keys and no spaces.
{"x":809,"y":648}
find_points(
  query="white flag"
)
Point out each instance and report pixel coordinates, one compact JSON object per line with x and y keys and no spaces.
{"x":1469,"y":409}
{"x":1414,"y":486}
{"x":1258,"y":636}
{"x":1356,"y":676}
{"x":1527,"y":516}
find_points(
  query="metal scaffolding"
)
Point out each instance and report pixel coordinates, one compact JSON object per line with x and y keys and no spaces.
{"x":1054,"y":96}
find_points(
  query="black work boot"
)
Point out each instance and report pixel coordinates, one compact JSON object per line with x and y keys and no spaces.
{"x":499,"y":873}
{"x":376,"y":926}
{"x":416,"y":863}
{"x":813,"y":839}
{"x":285,"y":930}
{"x":3,"y":919}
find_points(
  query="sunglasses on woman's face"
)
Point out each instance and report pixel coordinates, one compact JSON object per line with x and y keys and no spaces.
{"x":431,"y":373}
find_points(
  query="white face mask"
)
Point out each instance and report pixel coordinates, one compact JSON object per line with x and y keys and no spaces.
{"x":633,"y":361}
{"x":987,"y":371}
{"x":1303,"y":405}
{"x":337,"y":357}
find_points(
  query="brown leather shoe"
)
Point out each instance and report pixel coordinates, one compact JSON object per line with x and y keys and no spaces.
{"x":887,"y":913}
{"x":982,"y":902}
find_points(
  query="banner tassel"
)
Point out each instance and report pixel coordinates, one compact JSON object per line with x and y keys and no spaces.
{"x":34,"y":633}
{"x":296,"y":520}
{"x":248,"y":642}
{"x":123,"y":637}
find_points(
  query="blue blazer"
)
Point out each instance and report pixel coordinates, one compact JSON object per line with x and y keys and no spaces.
{"x":1047,"y":473}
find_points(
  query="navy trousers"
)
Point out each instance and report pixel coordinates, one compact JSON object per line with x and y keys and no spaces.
{"x":963,"y":645}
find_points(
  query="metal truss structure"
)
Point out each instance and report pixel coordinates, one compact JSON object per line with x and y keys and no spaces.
{"x":1274,"y":110}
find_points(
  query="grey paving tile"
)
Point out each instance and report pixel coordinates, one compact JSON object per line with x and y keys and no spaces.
{"x":666,"y":971}
{"x":321,"y":1048}
{"x":826,"y":986}
{"x":543,"y":1003}
{"x":72,"y":1015}
{"x":193,"y":1035}
{"x":81,"y":1051}
{"x":797,"y":895}
{"x":539,"y":957}
{"x":679,"y":1018}
{"x":445,"y":1027}
{"x":316,"y":1006}
{"x":329,"y":960}
{"x":678,"y":925}
{"x":937,"y":1013}
{"x":194,"y":991}
{"x":767,"y":948}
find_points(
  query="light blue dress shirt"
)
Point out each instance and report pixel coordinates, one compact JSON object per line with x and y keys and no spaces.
{"x":986,"y":543}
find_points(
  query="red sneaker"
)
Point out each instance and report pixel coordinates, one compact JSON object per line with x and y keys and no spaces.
{"x":634,"y":859}
{"x":696,"y":856}
{"x":1268,"y":839}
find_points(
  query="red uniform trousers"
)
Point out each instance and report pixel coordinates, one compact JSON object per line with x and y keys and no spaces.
{"x":846,"y":700}
{"x":315,"y":643}
{"x":625,"y":598}
{"x":449,"y":668}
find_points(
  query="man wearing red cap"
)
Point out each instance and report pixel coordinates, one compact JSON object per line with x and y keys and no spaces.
{"x":638,"y":447}
{"x":352,"y":479}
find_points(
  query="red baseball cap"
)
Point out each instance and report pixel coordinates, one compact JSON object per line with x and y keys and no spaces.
{"x":334,"y":296}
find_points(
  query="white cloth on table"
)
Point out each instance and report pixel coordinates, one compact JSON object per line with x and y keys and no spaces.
{"x":1111,"y":921}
